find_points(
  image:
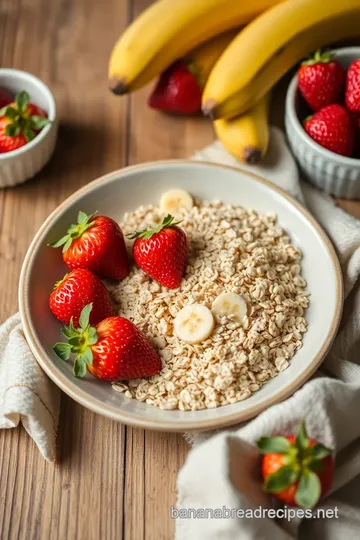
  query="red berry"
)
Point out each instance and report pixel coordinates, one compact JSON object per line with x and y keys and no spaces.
{"x":321,"y":80}
{"x":20,"y":122}
{"x":177,"y":91}
{"x":5,"y":98}
{"x":162,"y":252}
{"x":76,"y":290}
{"x":352,"y":92}
{"x":113,"y":350}
{"x":7,"y":143}
{"x":34,"y":110}
{"x":333,"y":128}
{"x":289,"y":460}
{"x":96,"y":243}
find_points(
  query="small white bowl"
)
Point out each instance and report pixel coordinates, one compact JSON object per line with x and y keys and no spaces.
{"x":335,"y":174}
{"x":21,"y":164}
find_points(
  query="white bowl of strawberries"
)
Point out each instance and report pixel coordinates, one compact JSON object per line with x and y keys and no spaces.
{"x":322,"y":120}
{"x":27,"y":126}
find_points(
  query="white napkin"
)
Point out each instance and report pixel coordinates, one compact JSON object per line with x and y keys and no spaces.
{"x":26,"y":393}
{"x":220,"y":472}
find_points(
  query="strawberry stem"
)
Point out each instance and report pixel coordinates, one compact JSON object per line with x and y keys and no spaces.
{"x":79,"y":342}
{"x":84,"y":222}
{"x":319,"y":58}
{"x":168,"y":221}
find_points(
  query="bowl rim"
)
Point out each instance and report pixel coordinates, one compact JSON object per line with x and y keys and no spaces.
{"x":26,"y":76}
{"x":110,"y":411}
{"x":293,"y":117}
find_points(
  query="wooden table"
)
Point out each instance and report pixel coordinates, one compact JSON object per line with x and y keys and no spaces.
{"x":111,"y":482}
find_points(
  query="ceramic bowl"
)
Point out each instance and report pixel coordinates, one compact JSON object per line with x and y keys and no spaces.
{"x":125,"y":190}
{"x":21,"y":164}
{"x":335,"y":174}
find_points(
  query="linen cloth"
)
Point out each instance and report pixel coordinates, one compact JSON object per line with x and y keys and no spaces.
{"x":220,"y":469}
{"x":27,"y":395}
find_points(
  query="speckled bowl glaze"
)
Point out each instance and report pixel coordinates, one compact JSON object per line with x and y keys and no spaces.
{"x":22,"y":164}
{"x":125,"y":190}
{"x":335,"y":174}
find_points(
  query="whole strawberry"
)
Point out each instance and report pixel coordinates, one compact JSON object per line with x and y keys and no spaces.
{"x":75,"y":291}
{"x":113,"y":350}
{"x":333,"y":128}
{"x":96,"y":243}
{"x":352,"y":92}
{"x":5,"y":98}
{"x":20,"y":122}
{"x":162,"y":252}
{"x":296,"y":469}
{"x":177,"y":91}
{"x":321,"y":80}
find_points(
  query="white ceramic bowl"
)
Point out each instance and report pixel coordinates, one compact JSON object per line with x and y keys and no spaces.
{"x":125,"y":190}
{"x":335,"y":174}
{"x":21,"y":164}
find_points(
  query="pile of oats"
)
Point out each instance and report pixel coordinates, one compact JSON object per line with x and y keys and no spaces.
{"x":231,"y":249}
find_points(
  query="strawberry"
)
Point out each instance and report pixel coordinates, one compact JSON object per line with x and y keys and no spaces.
{"x":96,"y":243}
{"x":113,"y":350}
{"x":321,"y":80}
{"x":296,"y":469}
{"x":333,"y":128}
{"x":20,"y":122}
{"x":162,"y":252}
{"x":76,"y":290}
{"x":352,"y":92}
{"x":177,"y":90}
{"x":5,"y":98}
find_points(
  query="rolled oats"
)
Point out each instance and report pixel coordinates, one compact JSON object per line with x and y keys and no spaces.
{"x":231,"y":249}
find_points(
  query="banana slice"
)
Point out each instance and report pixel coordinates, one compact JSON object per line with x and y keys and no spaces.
{"x":171,"y":202}
{"x":229,"y":304}
{"x":194,"y":323}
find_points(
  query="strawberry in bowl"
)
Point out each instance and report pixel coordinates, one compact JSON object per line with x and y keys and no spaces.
{"x":113,"y":350}
{"x":96,"y":243}
{"x":162,"y":252}
{"x":28,"y":126}
{"x":322,"y":121}
{"x":20,"y":122}
{"x":76,"y":290}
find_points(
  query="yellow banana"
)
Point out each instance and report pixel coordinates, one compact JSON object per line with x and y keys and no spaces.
{"x":246,"y":137}
{"x":204,"y":57}
{"x":270,"y":45}
{"x":168,"y":30}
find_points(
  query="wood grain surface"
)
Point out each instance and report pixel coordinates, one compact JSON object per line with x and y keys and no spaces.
{"x":110,"y":482}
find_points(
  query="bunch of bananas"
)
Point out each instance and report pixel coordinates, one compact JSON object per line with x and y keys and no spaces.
{"x":239,"y":66}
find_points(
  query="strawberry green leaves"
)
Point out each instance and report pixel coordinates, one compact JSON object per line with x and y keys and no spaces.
{"x":79,"y":343}
{"x":22,"y":101}
{"x":294,"y":467}
{"x":309,"y":490}
{"x":21,"y":121}
{"x":168,"y":221}
{"x":84,"y":222}
{"x":282,"y":479}
{"x":277,"y":445}
{"x":63,"y":350}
